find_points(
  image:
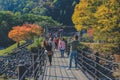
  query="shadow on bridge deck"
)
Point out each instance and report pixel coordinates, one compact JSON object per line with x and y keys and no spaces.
{"x":58,"y":70}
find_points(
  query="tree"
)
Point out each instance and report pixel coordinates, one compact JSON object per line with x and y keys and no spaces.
{"x":9,"y":19}
{"x":108,"y":18}
{"x":83,"y":16}
{"x":6,"y":23}
{"x":102,"y":15}
{"x":59,"y":10}
{"x":26,"y":31}
{"x":62,"y":10}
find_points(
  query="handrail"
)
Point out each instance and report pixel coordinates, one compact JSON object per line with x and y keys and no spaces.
{"x":88,"y":69}
{"x":92,"y":65}
{"x":22,"y":46}
{"x":98,"y":63}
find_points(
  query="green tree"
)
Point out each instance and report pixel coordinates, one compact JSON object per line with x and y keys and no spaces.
{"x":9,"y":19}
{"x":60,"y":10}
{"x":6,"y":23}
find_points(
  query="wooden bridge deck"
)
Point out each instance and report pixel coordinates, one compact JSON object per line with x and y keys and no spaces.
{"x":58,"y":70}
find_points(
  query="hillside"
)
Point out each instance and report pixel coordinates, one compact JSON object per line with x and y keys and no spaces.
{"x":60,"y":10}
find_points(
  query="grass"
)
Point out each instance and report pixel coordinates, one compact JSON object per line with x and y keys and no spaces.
{"x":9,"y":49}
{"x":37,"y":42}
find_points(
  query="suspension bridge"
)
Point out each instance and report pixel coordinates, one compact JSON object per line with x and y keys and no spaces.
{"x":90,"y":68}
{"x":33,"y":65}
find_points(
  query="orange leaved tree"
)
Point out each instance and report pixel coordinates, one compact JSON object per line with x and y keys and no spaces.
{"x":26,"y":31}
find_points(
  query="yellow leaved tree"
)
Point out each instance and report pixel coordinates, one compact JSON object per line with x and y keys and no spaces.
{"x":104,"y":17}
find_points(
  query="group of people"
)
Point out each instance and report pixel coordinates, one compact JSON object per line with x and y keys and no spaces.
{"x":50,"y":45}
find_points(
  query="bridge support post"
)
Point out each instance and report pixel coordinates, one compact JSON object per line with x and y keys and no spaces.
{"x":96,"y":65}
{"x":21,"y":70}
{"x":82,"y":58}
{"x":34,"y":57}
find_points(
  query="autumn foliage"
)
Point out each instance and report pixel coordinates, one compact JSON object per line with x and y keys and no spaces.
{"x":101,"y":15}
{"x":26,"y":31}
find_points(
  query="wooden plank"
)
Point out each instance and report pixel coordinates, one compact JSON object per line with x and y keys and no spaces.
{"x":44,"y":74}
{"x":79,"y":74}
{"x":71,"y":76}
{"x":53,"y":70}
{"x":63,"y":69}
{"x":58,"y":70}
{"x":47,"y":72}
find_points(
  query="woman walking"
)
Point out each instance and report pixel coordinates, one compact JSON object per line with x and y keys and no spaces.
{"x":48,"y":48}
{"x":61,"y":46}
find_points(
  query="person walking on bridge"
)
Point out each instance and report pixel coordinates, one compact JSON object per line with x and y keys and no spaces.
{"x":48,"y":48}
{"x":61,"y":46}
{"x":73,"y":54}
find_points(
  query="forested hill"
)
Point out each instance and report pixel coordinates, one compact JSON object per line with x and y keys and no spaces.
{"x":60,"y":10}
{"x":17,"y":12}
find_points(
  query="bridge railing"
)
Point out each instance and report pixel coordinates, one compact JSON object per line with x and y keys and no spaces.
{"x":35,"y":70}
{"x":100,"y":68}
{"x":22,"y":46}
